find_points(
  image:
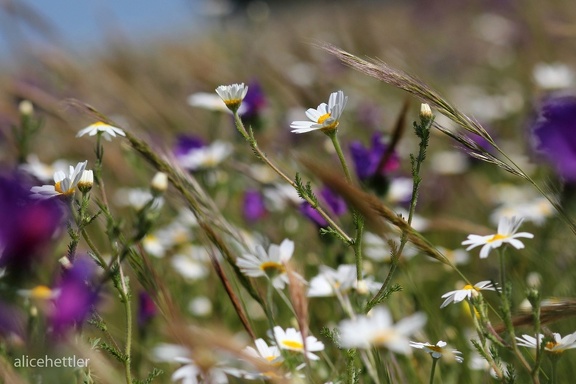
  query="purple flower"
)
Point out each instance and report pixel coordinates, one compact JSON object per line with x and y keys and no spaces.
{"x":76,"y":298}
{"x":254,"y":101}
{"x":252,"y":106}
{"x":185,"y":144}
{"x":366,"y":160}
{"x":146,"y":309}
{"x":253,"y":207}
{"x":335,"y":204}
{"x":27,"y":225}
{"x":555,"y":134}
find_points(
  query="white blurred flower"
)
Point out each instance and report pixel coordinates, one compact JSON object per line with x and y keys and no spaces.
{"x":40,"y":292}
{"x":191,"y":263}
{"x":200,"y":306}
{"x":378,"y":329}
{"x":291,"y":339}
{"x":165,"y":352}
{"x":190,"y":373}
{"x":137,"y":198}
{"x":41,"y":171}
{"x":536,"y":210}
{"x":378,"y":249}
{"x":208,"y":101}
{"x":281,"y":195}
{"x":455,"y":256}
{"x":553,"y":76}
{"x":449,"y":162}
{"x":399,"y":190}
{"x":329,"y":282}
{"x":206,"y":157}
{"x":438,"y":350}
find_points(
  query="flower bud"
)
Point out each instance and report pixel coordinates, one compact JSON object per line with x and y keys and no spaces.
{"x":86,"y":181}
{"x":159,"y":183}
{"x":425,"y":111}
{"x":26,"y":108}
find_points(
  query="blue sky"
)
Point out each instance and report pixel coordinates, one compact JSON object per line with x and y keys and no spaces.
{"x":82,"y":24}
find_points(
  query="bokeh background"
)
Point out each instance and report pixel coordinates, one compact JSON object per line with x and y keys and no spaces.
{"x":139,"y":61}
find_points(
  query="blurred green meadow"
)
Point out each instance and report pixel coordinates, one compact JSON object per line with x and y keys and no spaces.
{"x":169,"y":291}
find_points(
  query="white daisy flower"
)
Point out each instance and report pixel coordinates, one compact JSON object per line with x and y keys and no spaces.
{"x":40,"y":292}
{"x":378,"y":329}
{"x":190,"y":373}
{"x":507,"y":228}
{"x":232,"y":95}
{"x":558,"y":345}
{"x":270,"y":357}
{"x":325,"y":117}
{"x":206,"y":157}
{"x":63,"y":184}
{"x":263,"y":351}
{"x":99,"y":127}
{"x":467,"y":292}
{"x":342,"y":280}
{"x":291,"y":339}
{"x":438,"y":350}
{"x":271,"y":264}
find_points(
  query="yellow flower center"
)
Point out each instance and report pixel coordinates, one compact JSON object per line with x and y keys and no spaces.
{"x":233,"y":103}
{"x":293,"y":344}
{"x":41,"y":292}
{"x":497,"y":237}
{"x":323,"y":118}
{"x":272,"y":266}
{"x":382,"y":337}
{"x":550,"y":345}
{"x":469,"y":287}
{"x":99,"y":124}
{"x":434,"y":348}
{"x":58,"y":188}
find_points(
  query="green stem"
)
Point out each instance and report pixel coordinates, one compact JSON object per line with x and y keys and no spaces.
{"x":423,"y":132}
{"x":506,"y":312}
{"x":554,"y":378}
{"x":125,"y":294}
{"x":433,"y":370}
{"x":333,"y":135}
{"x":358,"y":220}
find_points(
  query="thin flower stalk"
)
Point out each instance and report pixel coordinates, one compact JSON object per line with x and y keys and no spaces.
{"x":262,"y":156}
{"x":507,"y":313}
{"x":357,"y":218}
{"x":423,"y":132}
{"x":124,"y":291}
